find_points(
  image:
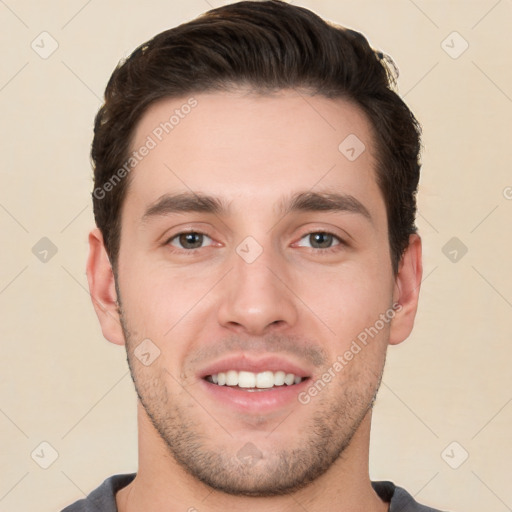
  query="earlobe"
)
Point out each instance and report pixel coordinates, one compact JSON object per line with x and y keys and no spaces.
{"x":102,"y":289}
{"x":406,"y":291}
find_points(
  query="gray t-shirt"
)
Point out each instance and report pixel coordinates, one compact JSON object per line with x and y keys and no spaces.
{"x":103,"y":498}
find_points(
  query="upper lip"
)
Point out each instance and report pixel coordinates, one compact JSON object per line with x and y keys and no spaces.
{"x":243,"y":362}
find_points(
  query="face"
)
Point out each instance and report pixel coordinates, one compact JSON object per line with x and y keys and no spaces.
{"x":254,"y":257}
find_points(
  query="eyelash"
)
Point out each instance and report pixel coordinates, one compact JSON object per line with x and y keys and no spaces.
{"x":328,"y":250}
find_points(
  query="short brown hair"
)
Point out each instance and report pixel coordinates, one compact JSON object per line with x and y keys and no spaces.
{"x":266,"y":46}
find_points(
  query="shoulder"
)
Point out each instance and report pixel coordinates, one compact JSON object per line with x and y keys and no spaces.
{"x":103,"y":498}
{"x":400,"y":500}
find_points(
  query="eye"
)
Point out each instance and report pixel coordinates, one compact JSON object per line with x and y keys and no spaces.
{"x":321,"y":240}
{"x":189,"y":240}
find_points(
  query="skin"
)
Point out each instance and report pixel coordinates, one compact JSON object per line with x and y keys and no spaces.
{"x":301,"y":300}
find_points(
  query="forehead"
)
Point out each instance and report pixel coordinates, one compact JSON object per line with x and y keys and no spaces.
{"x":249,"y":147}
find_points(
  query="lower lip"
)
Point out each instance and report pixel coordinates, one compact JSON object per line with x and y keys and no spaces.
{"x":261,"y":401}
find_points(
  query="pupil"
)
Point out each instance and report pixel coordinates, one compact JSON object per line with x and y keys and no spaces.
{"x":187,"y":240}
{"x":322,"y":239}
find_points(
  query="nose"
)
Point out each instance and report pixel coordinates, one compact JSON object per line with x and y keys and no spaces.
{"x":257,"y":297}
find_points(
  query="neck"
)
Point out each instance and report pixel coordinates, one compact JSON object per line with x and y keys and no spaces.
{"x":162,"y":484}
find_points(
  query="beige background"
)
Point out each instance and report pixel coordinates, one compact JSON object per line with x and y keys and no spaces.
{"x":63,"y":384}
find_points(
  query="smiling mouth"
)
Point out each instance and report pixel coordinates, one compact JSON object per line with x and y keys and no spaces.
{"x":250,"y":381}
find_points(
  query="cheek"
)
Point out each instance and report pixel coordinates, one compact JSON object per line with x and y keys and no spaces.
{"x":348,"y":299}
{"x":161,"y":303}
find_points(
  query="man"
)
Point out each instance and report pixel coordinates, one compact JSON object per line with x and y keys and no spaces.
{"x":256,"y":253}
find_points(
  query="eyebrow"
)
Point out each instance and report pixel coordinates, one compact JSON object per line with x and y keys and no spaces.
{"x":298,"y":202}
{"x":330,"y":202}
{"x":186,"y":202}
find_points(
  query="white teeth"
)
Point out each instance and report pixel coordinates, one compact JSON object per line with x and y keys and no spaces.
{"x":261,"y":380}
{"x":265,"y":380}
{"x":231,"y":378}
{"x":279,"y":378}
{"x":246,"y":380}
{"x":288,"y":380}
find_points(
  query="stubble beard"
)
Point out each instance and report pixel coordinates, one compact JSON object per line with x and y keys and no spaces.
{"x":279,"y":471}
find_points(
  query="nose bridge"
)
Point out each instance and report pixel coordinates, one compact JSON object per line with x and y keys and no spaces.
{"x":255,"y":295}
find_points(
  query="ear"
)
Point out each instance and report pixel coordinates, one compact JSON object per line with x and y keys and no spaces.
{"x":102,"y":289}
{"x":406,"y":291}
